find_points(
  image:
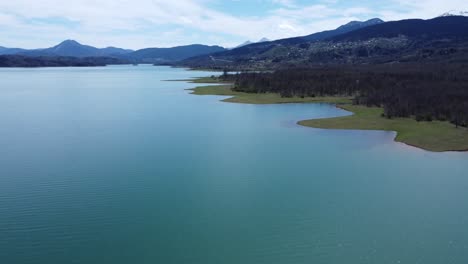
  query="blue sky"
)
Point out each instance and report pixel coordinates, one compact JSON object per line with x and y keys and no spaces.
{"x":164,"y":23}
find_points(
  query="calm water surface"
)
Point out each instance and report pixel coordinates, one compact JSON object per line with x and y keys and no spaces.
{"x":114,"y":165}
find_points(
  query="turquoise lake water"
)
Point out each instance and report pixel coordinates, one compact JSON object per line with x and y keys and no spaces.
{"x":115,"y":165}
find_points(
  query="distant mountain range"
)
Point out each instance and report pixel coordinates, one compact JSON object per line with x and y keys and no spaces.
{"x":373,"y":41}
{"x":9,"y":51}
{"x":252,"y":50}
{"x":71,"y":48}
{"x":68,"y":48}
{"x":163,"y":55}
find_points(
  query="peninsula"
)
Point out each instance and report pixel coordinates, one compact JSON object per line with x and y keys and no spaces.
{"x":435,"y":136}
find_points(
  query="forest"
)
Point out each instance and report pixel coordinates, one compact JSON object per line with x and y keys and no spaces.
{"x":56,"y":61}
{"x":425,"y":92}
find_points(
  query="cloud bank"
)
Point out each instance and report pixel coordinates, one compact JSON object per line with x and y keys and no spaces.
{"x":148,"y":23}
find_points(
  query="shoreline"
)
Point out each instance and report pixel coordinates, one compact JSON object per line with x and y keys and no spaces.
{"x":396,"y":140}
{"x":435,"y":136}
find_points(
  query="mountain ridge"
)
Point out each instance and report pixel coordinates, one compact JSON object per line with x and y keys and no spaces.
{"x":72,"y":48}
{"x":438,"y":27}
{"x":351,"y":26}
{"x":262,"y":47}
{"x":441,"y":38}
{"x":10,"y":51}
{"x":163,"y":55}
{"x":248,"y":42}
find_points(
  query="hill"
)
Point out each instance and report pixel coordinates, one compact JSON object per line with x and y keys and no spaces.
{"x":437,"y":28}
{"x":254,"y":49}
{"x":163,"y":55}
{"x":72,"y":48}
{"x":438,"y":39}
{"x":248,"y":42}
{"x":8,"y":51}
{"x":351,"y":26}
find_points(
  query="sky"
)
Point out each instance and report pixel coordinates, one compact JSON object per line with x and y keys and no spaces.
{"x":165,"y":23}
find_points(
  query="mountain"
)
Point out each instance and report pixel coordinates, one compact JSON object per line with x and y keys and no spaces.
{"x":351,"y":26}
{"x":8,"y":51}
{"x":163,"y":55}
{"x":113,"y":51}
{"x":247,"y":52}
{"x":73,"y":48}
{"x":439,"y":39}
{"x":437,"y":28}
{"x":255,"y":49}
{"x":248,"y":42}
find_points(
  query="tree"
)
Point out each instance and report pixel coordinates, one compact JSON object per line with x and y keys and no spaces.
{"x":225,"y":74}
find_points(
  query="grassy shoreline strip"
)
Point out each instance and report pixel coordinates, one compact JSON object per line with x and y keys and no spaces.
{"x":205,"y":80}
{"x":267,"y":98}
{"x":435,"y":136}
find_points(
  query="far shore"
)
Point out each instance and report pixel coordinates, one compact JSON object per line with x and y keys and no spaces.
{"x":435,"y":136}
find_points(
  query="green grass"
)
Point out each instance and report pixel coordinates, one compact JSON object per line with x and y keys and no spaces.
{"x":205,"y":80}
{"x":265,"y":98}
{"x":433,"y":136}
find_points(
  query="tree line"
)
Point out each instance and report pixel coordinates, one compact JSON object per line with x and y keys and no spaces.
{"x":56,"y":61}
{"x":425,"y":92}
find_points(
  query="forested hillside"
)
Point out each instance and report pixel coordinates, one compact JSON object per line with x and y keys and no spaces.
{"x":443,"y":39}
{"x":423,"y":91}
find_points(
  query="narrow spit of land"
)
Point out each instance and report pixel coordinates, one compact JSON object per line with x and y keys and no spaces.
{"x":434,"y":136}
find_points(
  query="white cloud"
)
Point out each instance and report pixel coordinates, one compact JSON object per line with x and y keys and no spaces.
{"x":142,"y":23}
{"x":422,"y":9}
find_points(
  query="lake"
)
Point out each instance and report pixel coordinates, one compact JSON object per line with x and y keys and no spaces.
{"x":116,"y":165}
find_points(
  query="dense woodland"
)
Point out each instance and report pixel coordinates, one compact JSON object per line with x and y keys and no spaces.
{"x":424,"y":91}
